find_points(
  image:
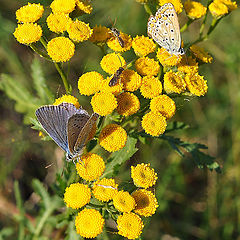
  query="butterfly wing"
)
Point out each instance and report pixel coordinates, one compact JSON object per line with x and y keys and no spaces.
{"x":84,"y":134}
{"x":54,"y":121}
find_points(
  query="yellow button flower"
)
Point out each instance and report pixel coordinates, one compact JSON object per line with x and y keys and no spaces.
{"x":113,"y":137}
{"x":167,"y":59}
{"x":63,"y":6}
{"x":164,"y":105}
{"x":28,"y":33}
{"x":79,"y":31}
{"x":103,"y":103}
{"x":100,"y":34}
{"x":67,"y":99}
{"x":188,"y":65}
{"x":89,"y":83}
{"x":89,"y":223}
{"x":131,"y":80}
{"x":128,"y":104}
{"x":201,"y":54}
{"x":174,"y":82}
{"x":176,"y":3}
{"x":218,"y":9}
{"x":230,"y":5}
{"x":142,"y":45}
{"x":84,"y":6}
{"x":151,"y":87}
{"x":123,"y":202}
{"x":58,"y":22}
{"x":105,"y":189}
{"x":129,"y":225}
{"x":116,"y":89}
{"x":147,"y":66}
{"x":143,"y":175}
{"x":29,"y":13}
{"x":194,"y":9}
{"x":77,"y":195}
{"x":146,"y":202}
{"x":60,"y":49}
{"x":91,"y":166}
{"x":113,"y":43}
{"x":154,"y":123}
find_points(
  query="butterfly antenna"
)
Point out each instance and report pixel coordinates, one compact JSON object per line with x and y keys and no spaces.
{"x":48,"y":166}
{"x":119,"y":59}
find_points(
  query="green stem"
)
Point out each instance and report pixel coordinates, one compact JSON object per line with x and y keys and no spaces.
{"x":95,"y":205}
{"x":41,"y":53}
{"x":184,"y":27}
{"x":147,"y":9}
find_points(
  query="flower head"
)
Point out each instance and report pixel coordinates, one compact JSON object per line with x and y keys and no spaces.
{"x":77,"y":195}
{"x":84,"y":6}
{"x":123,"y":202}
{"x":201,"y":54}
{"x":151,"y":87}
{"x":131,"y":80}
{"x":174,"y":82}
{"x":105,"y":189}
{"x":28,"y":33}
{"x":218,"y":9}
{"x":147,"y":66}
{"x":60,"y":49}
{"x":89,"y":223}
{"x":103,"y":103}
{"x":78,"y":31}
{"x":111,"y":62}
{"x":113,"y":43}
{"x":91,"y":166}
{"x":188,"y":65}
{"x":128,"y":104}
{"x":113,"y":137}
{"x":194,"y":9}
{"x":143,"y":175}
{"x":154,"y":123}
{"x":146,"y":202}
{"x":89,"y":83}
{"x":116,"y":89}
{"x":63,"y":6}
{"x":100,"y":34}
{"x":167,"y":59}
{"x":230,"y":5}
{"x":142,"y":45}
{"x":58,"y":22}
{"x":129,"y":225}
{"x":176,"y":3}
{"x":29,"y":13}
{"x":196,"y":84}
{"x":67,"y":99}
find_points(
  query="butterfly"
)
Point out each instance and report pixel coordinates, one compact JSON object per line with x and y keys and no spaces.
{"x":68,"y":126}
{"x":164,"y":29}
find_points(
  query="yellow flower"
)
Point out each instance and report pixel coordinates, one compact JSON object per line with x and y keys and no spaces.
{"x":28,"y":33}
{"x":146,"y":202}
{"x":113,"y":137}
{"x":154,"y":123}
{"x":128,"y":104}
{"x":91,"y":166}
{"x":123,"y":202}
{"x":196,"y":84}
{"x":167,"y":59}
{"x":63,"y":6}
{"x":89,"y":83}
{"x":201,"y":54}
{"x":142,"y":45}
{"x":147,"y":66}
{"x":116,"y":89}
{"x":29,"y":13}
{"x":105,"y":189}
{"x":176,"y":3}
{"x":164,"y":105}
{"x":60,"y":49}
{"x":79,"y":31}
{"x":230,"y":5}
{"x":129,"y":225}
{"x":89,"y":223}
{"x":111,"y":62}
{"x":58,"y":22}
{"x":84,"y":6}
{"x":143,"y":175}
{"x":115,"y":46}
{"x":77,"y":195}
{"x":103,"y":103}
{"x":194,"y":9}
{"x":67,"y":99}
{"x":174,"y":82}
{"x":151,"y":87}
{"x":100,"y":34}
{"x":188,"y":65}
{"x":131,"y":80}
{"x":218,"y":9}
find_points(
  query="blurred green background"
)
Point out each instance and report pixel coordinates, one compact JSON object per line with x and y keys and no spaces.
{"x":193,"y":203}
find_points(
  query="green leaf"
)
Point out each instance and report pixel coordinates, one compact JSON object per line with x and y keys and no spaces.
{"x":172,"y":126}
{"x":6,"y":232}
{"x":71,"y":232}
{"x":121,"y":156}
